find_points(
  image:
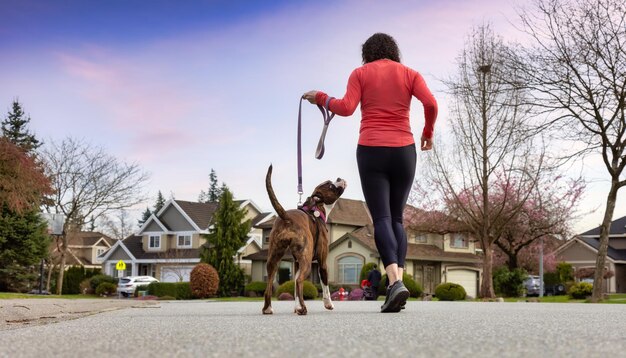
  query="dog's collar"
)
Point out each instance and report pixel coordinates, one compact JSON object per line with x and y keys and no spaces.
{"x":315,"y":211}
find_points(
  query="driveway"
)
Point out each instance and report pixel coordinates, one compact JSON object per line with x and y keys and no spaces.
{"x":353,"y":329}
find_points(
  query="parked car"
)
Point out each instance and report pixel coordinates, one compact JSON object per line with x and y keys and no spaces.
{"x":532,"y":286}
{"x":126,"y":285}
{"x":554,"y":290}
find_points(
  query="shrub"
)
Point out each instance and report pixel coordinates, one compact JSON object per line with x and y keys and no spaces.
{"x":204,"y":281}
{"x":414,"y":288}
{"x":366,"y":270}
{"x":140,"y":288}
{"x":509,"y":283}
{"x":72,"y":279}
{"x":257,"y":287}
{"x":565,"y":272}
{"x":85,"y":288}
{"x":308,"y":290}
{"x":178,"y":290}
{"x":106,"y":289}
{"x":450,"y":292}
{"x":96,"y":280}
{"x":355,"y":295}
{"x":580,"y":290}
{"x":551,"y":278}
{"x":285,"y":296}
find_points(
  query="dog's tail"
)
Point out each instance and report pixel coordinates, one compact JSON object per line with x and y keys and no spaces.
{"x":268,"y":185}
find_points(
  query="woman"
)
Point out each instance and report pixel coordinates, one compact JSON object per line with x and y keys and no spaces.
{"x":386,"y":149}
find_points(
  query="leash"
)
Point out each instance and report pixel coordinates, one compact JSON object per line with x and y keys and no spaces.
{"x":319,"y":152}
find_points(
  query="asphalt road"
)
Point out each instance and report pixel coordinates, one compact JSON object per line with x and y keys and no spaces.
{"x":353,"y":329}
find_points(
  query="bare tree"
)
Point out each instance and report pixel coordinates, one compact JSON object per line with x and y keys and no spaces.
{"x":577,"y":69}
{"x":87,"y":183}
{"x":120,"y":226}
{"x":493,"y":141}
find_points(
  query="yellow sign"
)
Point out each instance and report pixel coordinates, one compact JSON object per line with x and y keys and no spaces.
{"x":120,"y":266}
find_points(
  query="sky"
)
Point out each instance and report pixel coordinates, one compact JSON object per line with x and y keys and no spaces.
{"x":183,"y":87}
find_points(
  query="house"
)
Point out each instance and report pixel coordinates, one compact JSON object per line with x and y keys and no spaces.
{"x":169,"y":243}
{"x":432,"y":257}
{"x":84,"y":248}
{"x":582,"y":250}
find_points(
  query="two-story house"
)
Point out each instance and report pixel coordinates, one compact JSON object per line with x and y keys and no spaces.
{"x":433,"y":256}
{"x":582,"y":250}
{"x":84,"y":248}
{"x":168,"y":245}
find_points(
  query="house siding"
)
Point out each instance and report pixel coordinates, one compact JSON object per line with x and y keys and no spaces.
{"x":175,"y":220}
{"x":343,"y":250}
{"x":577,"y":252}
{"x":153,"y":227}
{"x":336,"y":231}
{"x":119,"y":254}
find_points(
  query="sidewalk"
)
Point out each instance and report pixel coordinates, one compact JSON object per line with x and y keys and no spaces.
{"x":18,"y":313}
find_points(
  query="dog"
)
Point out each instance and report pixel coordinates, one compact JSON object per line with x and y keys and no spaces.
{"x":303,"y":231}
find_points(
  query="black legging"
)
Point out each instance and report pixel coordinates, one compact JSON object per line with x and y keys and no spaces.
{"x":387,"y":175}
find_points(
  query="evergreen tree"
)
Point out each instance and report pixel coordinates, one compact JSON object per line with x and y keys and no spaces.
{"x":145,"y":216}
{"x":14,"y":129}
{"x":229,"y":233}
{"x":23,"y":232}
{"x":23,"y":244}
{"x":159,"y":202}
{"x":214,"y":192}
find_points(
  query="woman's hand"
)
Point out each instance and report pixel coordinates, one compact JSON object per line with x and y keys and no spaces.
{"x":310,"y":96}
{"x":426,"y":143}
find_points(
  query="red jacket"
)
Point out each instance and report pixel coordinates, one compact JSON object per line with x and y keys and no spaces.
{"x":385,"y":88}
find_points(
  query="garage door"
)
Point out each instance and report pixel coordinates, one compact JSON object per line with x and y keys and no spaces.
{"x":175,"y":273}
{"x":465,"y":278}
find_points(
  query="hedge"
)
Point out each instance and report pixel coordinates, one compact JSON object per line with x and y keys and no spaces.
{"x":178,"y":290}
{"x":308,"y":290}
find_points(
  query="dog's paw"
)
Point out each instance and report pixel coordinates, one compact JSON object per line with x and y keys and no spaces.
{"x":328,"y":304}
{"x":268,"y":311}
{"x":301,"y":311}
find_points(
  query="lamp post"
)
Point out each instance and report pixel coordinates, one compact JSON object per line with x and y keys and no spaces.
{"x":541,"y":267}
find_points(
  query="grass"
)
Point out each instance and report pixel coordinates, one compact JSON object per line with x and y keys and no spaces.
{"x":618,"y":298}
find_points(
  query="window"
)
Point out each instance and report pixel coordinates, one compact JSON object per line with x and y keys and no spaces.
{"x":99,"y":252}
{"x":155,"y":241}
{"x":420,"y":238}
{"x":458,"y":241}
{"x":184,"y":240}
{"x":350,"y":269}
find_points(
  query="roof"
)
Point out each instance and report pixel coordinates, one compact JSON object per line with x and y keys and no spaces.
{"x":200,"y":213}
{"x":88,"y":238}
{"x":263,"y":254}
{"x":259,"y":219}
{"x":618,"y":228}
{"x":618,"y":255}
{"x":365,"y":236}
{"x":350,"y":212}
{"x":430,"y":221}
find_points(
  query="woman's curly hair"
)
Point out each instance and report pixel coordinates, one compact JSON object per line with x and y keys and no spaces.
{"x":380,"y":46}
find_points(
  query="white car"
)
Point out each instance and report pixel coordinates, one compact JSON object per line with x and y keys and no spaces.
{"x":127,"y":285}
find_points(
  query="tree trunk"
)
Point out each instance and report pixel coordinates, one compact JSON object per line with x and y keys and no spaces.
{"x":51,"y":267}
{"x":486,"y":287}
{"x":62,"y":265}
{"x":598,"y":276}
{"x":512,"y":262}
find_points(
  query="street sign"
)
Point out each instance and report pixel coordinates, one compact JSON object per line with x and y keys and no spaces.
{"x":120,"y":266}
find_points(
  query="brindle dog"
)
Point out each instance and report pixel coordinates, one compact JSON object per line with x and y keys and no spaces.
{"x":303,"y":231}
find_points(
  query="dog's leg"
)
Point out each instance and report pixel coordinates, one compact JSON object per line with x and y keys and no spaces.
{"x":323,"y":271}
{"x":276,"y":253}
{"x":296,"y":299}
{"x":302,"y":274}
